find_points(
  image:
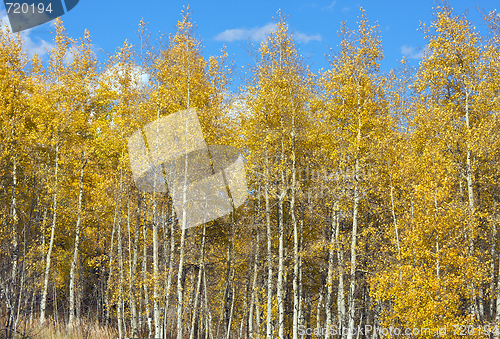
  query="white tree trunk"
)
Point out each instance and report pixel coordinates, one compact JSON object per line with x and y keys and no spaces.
{"x":198,"y":284}
{"x":340,"y":264}
{"x":470,"y":252}
{"x":319,"y":306}
{"x":497,"y":315}
{"x":156,"y":270}
{"x":168,"y":283}
{"x":269,"y":256}
{"x":132,"y":274}
{"x":11,"y":308}
{"x":329,"y":280}
{"x":280,"y":286}
{"x":296,"y":304}
{"x":255,"y":335}
{"x":72,"y":272}
{"x":121,"y":322}
{"x":117,"y":210}
{"x":207,"y":306}
{"x":352,"y":286}
{"x":43,"y":303}
{"x":493,"y":261}
{"x":231,"y":282}
{"x":180,"y":288}
{"x":145,"y":276}
{"x":156,"y":273}
{"x":14,"y":222}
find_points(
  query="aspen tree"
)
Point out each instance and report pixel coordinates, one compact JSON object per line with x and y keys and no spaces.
{"x":16,"y":88}
{"x":198,"y":284}
{"x":352,"y":86}
{"x":453,"y":89}
{"x":186,"y":80}
{"x":488,"y":141}
{"x":85,"y":64}
{"x":278,"y":95}
{"x":57,"y":74}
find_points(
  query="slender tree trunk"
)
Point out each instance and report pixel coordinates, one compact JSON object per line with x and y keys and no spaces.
{"x":56,"y":309}
{"x":497,"y":315}
{"x":168,"y":283}
{"x":493,"y":261}
{"x":180,"y":288}
{"x":207,"y":305}
{"x":308,"y":313}
{"x":470,"y":251}
{"x":31,"y":308}
{"x":11,"y":309}
{"x":301,"y":289}
{"x":269,"y":255}
{"x":394,"y":219}
{"x":340,"y":264}
{"x":72,"y":272}
{"x":156,"y":270}
{"x":296,"y":303}
{"x":117,"y":211}
{"x":156,"y":273}
{"x":329,"y":280}
{"x":231,"y":310}
{"x":145,"y":275}
{"x":121,"y":322}
{"x":14,"y":221}
{"x":198,"y":284}
{"x":189,"y":299}
{"x":21,"y":287}
{"x":224,"y":313}
{"x":43,"y":303}
{"x":132,"y":273}
{"x":280,"y":286}
{"x":254,"y":288}
{"x":352,"y":287}
{"x":375,"y":320}
{"x":319,"y":306}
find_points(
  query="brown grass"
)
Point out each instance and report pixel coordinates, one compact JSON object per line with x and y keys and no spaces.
{"x":81,"y":330}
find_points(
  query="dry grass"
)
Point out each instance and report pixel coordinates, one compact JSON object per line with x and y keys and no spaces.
{"x":81,"y":330}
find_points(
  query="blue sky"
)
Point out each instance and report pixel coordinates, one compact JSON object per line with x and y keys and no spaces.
{"x":314,"y":22}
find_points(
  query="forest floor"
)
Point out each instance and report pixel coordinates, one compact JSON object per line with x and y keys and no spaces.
{"x":82,"y":330}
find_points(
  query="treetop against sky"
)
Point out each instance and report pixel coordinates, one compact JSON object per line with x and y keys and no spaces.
{"x":314,"y":24}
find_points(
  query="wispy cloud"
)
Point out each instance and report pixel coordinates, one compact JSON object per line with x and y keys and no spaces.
{"x":259,"y":34}
{"x":411,"y":52}
{"x":310,"y":5}
{"x":254,"y":34}
{"x":346,"y":9}
{"x":32,"y":47}
{"x":138,"y":76}
{"x":301,"y":37}
{"x":329,"y":8}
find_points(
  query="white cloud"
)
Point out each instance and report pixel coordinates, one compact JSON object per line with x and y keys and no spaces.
{"x":306,"y":38}
{"x":254,"y":34}
{"x":259,"y":34}
{"x":329,"y":8}
{"x":411,"y":53}
{"x":3,"y":19}
{"x":139,"y":78}
{"x":70,"y":55}
{"x":40,"y":48}
{"x":311,"y":5}
{"x":32,"y":47}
